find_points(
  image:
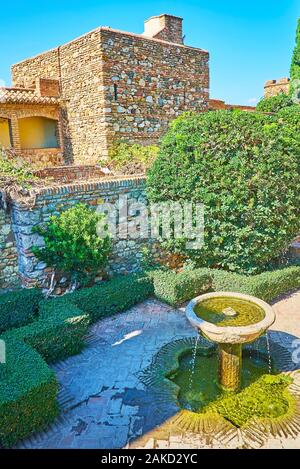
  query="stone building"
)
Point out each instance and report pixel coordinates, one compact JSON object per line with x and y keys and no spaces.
{"x":71,"y":103}
{"x":275,"y":87}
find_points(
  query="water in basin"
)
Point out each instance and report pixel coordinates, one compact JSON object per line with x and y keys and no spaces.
{"x":220,"y":311}
{"x":204,"y":389}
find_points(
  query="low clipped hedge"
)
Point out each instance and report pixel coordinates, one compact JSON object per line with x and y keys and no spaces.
{"x":58,"y":334}
{"x":18,"y":308}
{"x":28,"y":390}
{"x":266,"y":286}
{"x":176,"y":288}
{"x":113,"y":296}
{"x":56,"y":329}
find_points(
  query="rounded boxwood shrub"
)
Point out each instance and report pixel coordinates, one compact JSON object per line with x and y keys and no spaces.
{"x":244,"y":167}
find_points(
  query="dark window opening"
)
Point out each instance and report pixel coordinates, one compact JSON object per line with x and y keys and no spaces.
{"x":115,"y":92}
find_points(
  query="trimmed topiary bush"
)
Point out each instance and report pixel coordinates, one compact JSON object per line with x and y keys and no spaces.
{"x":28,"y":387}
{"x":175,"y":289}
{"x":18,"y":308}
{"x":245,"y":168}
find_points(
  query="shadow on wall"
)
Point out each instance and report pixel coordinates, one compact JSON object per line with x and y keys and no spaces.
{"x":67,"y":140}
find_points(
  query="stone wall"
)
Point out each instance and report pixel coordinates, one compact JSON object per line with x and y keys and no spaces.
{"x":78,"y":67}
{"x":149,"y":82}
{"x":126,"y":256}
{"x":8,"y":253}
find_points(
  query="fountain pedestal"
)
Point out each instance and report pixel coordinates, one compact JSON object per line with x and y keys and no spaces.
{"x":230,"y":365}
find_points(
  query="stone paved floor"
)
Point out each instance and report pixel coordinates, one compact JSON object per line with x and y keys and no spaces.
{"x":104,"y":405}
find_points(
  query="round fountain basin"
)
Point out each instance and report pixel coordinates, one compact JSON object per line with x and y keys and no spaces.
{"x":229,"y":317}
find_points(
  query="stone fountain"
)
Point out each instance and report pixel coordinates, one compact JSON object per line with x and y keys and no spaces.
{"x":230,"y":320}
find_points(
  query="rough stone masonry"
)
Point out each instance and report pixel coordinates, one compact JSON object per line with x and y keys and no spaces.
{"x":116,"y":85}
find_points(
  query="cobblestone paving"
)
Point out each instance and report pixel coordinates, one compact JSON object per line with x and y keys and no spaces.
{"x":105,"y":405}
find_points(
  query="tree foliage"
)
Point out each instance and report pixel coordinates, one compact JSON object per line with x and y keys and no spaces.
{"x":274,"y":103}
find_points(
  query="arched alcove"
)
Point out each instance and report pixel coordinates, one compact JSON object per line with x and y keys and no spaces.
{"x":38,"y":132}
{"x":5,"y":132}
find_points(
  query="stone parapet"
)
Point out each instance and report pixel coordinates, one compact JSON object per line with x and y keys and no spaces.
{"x":275,"y":87}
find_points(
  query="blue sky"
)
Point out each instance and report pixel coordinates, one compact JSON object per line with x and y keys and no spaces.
{"x":249,"y":41}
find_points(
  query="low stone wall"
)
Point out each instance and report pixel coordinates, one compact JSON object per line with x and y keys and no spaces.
{"x":49,"y":201}
{"x":217,"y":104}
{"x":8,"y":253}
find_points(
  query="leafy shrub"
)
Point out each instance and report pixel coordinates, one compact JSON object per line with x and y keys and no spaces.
{"x":275,"y":103}
{"x":291,"y":115}
{"x":14,"y":170}
{"x":175,"y":288}
{"x":72,"y":244}
{"x":18,"y":308}
{"x":131,"y":158}
{"x":234,"y":163}
{"x":28,"y":389}
{"x":113,"y":296}
{"x":267,"y":285}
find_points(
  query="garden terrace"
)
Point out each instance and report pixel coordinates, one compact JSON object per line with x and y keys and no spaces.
{"x":108,"y":405}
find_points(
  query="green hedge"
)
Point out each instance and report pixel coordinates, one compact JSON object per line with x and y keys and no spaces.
{"x":28,"y":391}
{"x":28,"y":387}
{"x":175,"y":289}
{"x":266,"y":286}
{"x":18,"y":308}
{"x":113,"y":296}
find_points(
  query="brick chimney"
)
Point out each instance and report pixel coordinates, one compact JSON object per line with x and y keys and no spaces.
{"x":165,"y":27}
